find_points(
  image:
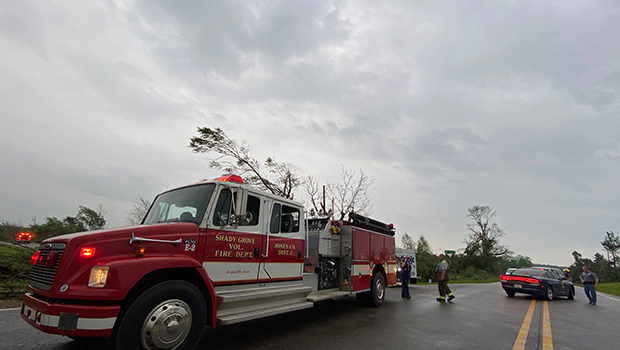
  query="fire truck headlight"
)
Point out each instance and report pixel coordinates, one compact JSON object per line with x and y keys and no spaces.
{"x":98,"y":276}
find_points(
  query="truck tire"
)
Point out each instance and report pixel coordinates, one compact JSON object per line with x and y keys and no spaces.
{"x":377,"y":289}
{"x":375,"y":296}
{"x":169,"y":315}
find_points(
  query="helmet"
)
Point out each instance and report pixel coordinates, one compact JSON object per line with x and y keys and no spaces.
{"x":566,"y":270}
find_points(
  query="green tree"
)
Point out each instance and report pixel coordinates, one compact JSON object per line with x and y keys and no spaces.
{"x":510,"y":260}
{"x":426,"y":260}
{"x":611,"y":244}
{"x":407,"y":242}
{"x":422,"y":247}
{"x":482,"y":246}
{"x":602,"y":268}
{"x":521,"y":261}
{"x":578,"y":264}
{"x":85,"y":220}
{"x":232,"y":157}
{"x":606,"y":269}
{"x":92,"y":219}
{"x":8,"y":231}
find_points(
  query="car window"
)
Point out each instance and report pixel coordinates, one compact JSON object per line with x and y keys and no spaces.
{"x":274,"y":225}
{"x":222,"y":211}
{"x":252,"y":209}
{"x":529,"y":272}
{"x":186,"y":204}
{"x":284,"y":219}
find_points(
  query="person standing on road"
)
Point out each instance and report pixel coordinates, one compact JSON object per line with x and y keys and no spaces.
{"x":589,"y":280}
{"x":442,"y":280}
{"x":405,"y":270}
{"x":567,"y":279}
{"x":567,"y":275}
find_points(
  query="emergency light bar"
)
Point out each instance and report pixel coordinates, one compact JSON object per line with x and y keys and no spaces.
{"x":230,"y":178}
{"x":24,"y":236}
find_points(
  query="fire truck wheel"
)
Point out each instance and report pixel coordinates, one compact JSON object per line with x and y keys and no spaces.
{"x":376,"y":295}
{"x":377,"y":289}
{"x":169,"y":315}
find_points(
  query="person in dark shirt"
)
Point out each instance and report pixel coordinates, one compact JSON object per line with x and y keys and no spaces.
{"x":442,"y":273}
{"x":405,"y":269}
{"x":589,"y":280}
{"x":567,"y":275}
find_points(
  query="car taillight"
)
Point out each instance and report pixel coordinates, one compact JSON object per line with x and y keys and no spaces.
{"x":35,"y":258}
{"x":509,"y":278}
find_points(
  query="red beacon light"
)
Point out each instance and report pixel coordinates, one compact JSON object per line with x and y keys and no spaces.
{"x":230,"y":178}
{"x":87,"y":252}
{"x":24,"y":237}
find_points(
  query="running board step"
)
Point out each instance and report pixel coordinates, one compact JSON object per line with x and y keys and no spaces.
{"x":318,"y":296}
{"x":251,"y":303}
{"x":265,"y":293}
{"x":252,"y":315}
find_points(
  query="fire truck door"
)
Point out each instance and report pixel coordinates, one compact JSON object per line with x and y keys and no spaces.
{"x":234,"y":241}
{"x":284,"y":245}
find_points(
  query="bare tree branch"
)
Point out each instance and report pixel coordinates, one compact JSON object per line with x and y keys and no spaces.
{"x":235,"y":158}
{"x":138,"y":211}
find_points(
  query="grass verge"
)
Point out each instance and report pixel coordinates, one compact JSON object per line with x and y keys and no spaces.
{"x":609,"y":288}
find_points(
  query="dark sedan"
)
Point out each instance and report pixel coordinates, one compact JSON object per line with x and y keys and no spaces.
{"x":540,"y":281}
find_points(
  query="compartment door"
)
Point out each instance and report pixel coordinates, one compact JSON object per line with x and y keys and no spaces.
{"x":232,"y":254}
{"x":283,"y":259}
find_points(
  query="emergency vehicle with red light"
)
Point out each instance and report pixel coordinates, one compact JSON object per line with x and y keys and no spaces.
{"x":23,"y":237}
{"x":212,"y":253}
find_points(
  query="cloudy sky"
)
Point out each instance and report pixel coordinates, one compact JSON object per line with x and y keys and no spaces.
{"x":446,"y":104}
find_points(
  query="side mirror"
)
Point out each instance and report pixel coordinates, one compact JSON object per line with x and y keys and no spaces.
{"x":234,"y":221}
{"x":247,"y":219}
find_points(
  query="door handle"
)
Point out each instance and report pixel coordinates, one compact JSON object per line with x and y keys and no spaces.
{"x":256,"y":252}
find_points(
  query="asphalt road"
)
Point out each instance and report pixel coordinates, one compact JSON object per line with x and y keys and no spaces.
{"x":481,"y":317}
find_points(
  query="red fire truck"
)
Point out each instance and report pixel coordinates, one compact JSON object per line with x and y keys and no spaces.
{"x":213,"y":253}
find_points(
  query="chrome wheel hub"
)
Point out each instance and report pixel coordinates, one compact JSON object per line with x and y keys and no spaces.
{"x":380,"y":290}
{"x":167,"y":325}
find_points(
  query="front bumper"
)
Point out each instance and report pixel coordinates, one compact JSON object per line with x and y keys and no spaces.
{"x":69,"y":319}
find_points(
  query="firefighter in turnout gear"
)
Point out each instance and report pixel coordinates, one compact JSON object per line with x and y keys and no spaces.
{"x":442,"y":280}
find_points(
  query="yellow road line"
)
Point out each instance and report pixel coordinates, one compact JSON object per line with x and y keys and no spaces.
{"x":525,"y":327}
{"x":547,"y":337}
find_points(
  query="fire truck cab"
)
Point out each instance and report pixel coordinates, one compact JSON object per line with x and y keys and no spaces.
{"x":213,"y":253}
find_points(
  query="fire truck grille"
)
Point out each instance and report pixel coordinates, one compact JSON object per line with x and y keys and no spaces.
{"x":42,"y":276}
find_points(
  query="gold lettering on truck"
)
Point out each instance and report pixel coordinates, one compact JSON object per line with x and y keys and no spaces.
{"x":225,"y":238}
{"x":234,"y":246}
{"x":283,"y":246}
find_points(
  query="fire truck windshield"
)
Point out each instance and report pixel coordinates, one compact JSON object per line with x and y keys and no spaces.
{"x":186,"y":204}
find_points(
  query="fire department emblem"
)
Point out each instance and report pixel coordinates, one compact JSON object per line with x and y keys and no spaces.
{"x":190,"y":245}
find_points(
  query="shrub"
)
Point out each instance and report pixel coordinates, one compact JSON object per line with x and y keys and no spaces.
{"x":14,"y":267}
